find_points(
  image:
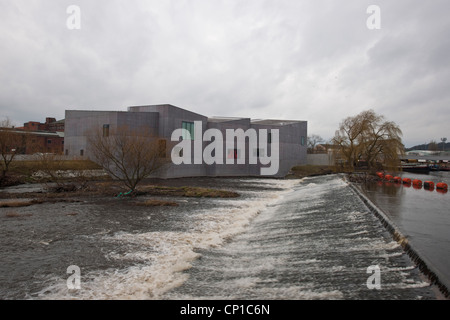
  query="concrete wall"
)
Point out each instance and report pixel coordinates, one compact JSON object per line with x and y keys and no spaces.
{"x":80,"y":124}
{"x":170,"y":117}
{"x":164,"y":119}
{"x":321,"y":159}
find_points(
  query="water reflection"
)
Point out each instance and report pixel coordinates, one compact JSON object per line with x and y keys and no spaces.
{"x":387,"y":193}
{"x":421,"y":213}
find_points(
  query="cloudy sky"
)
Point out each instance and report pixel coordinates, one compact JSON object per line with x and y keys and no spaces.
{"x":313,"y":60}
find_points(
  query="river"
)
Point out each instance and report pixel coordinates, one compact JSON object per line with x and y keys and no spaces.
{"x":282,"y":239}
{"x":422,"y":215}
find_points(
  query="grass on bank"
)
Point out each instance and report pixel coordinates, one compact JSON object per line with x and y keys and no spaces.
{"x":192,"y":192}
{"x":310,"y":171}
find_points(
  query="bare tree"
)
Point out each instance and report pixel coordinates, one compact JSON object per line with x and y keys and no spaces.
{"x":128,"y":154}
{"x":369,"y":137}
{"x":313,"y":140}
{"x":11,"y":144}
{"x":432,"y":146}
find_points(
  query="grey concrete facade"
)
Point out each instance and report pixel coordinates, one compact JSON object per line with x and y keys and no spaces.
{"x":321,"y":159}
{"x":164,"y":119}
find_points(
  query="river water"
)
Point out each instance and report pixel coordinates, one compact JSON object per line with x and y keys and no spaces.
{"x":422,"y":215}
{"x":282,"y":239}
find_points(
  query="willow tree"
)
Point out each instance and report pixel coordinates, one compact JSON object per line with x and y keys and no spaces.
{"x":127,"y":154}
{"x":369,"y":137}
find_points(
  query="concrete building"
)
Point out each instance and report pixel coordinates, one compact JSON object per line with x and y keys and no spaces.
{"x":165,"y":119}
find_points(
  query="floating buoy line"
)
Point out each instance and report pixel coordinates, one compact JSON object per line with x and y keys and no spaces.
{"x":415,"y":183}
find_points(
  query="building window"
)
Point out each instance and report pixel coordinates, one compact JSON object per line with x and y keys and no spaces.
{"x":189,"y":126}
{"x":81,"y":152}
{"x":106,"y":130}
{"x":269,"y":138}
{"x":303,"y":141}
{"x":49,"y":141}
{"x":67,"y":152}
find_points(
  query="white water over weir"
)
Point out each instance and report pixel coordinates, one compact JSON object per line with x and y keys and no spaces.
{"x":316,"y":242}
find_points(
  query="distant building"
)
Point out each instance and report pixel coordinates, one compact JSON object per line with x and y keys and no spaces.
{"x":165,"y":119}
{"x":40,"y":137}
{"x":50,"y":125}
{"x":45,"y":142}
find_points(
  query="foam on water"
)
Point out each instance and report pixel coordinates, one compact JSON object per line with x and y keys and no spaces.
{"x":160,"y":257}
{"x":315,"y":244}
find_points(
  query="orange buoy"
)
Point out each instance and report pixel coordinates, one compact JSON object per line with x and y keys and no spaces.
{"x":428,"y":185}
{"x":397,"y":179}
{"x":388,"y":177}
{"x":380,"y":175}
{"x":406,"y":181}
{"x":442,"y":186}
{"x":417,"y":184}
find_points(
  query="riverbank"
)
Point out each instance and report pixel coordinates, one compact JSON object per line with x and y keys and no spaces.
{"x":299,"y":172}
{"x":91,"y":186}
{"x":100,"y":186}
{"x":13,"y":197}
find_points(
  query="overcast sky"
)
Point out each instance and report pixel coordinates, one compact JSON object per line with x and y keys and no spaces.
{"x":313,"y":60}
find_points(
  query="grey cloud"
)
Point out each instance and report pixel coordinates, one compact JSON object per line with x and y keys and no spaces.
{"x":308,"y":60}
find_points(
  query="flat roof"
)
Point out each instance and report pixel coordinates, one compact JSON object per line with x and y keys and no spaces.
{"x":225,"y":119}
{"x":59,"y":134}
{"x":275,"y":122}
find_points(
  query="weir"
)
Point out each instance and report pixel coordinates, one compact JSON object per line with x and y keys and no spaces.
{"x":317,"y":242}
{"x":422,"y":263}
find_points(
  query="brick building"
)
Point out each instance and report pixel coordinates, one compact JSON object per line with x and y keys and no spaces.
{"x":47,"y":137}
{"x":50,"y":125}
